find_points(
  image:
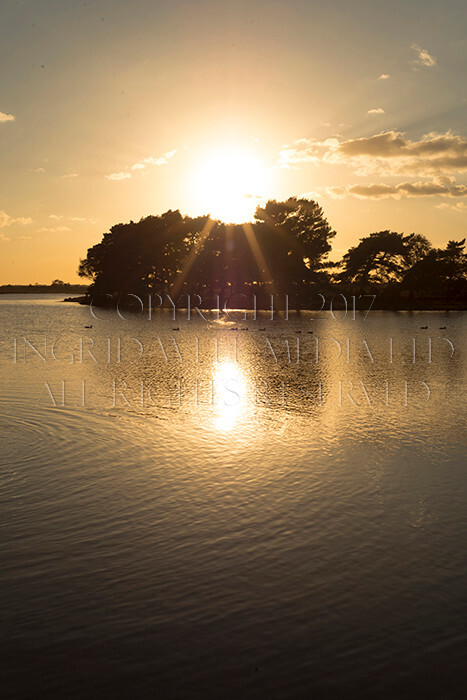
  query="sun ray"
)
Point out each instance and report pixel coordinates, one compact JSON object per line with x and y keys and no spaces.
{"x":258,"y":254}
{"x":207,"y":228}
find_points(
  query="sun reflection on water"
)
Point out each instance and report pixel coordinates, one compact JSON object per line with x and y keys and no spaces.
{"x":230,"y":395}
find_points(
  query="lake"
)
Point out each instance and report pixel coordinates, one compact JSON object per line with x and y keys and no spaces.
{"x":231,"y":507}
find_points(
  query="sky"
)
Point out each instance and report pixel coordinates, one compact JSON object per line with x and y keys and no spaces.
{"x":111,"y":111}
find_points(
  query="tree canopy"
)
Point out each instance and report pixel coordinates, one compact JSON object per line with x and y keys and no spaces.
{"x":382,"y":258}
{"x":285,"y":249}
{"x":441,"y":270}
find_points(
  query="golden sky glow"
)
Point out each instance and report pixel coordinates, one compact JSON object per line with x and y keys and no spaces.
{"x":112,"y":112}
{"x":229,"y":184}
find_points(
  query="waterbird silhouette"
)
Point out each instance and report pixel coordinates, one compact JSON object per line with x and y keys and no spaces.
{"x":88,"y":326}
{"x":176,"y":329}
{"x":423,"y":328}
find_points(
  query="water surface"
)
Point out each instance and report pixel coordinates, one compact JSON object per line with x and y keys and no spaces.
{"x":231,"y":507}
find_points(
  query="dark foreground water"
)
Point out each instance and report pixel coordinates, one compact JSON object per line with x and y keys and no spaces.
{"x":209,"y":512}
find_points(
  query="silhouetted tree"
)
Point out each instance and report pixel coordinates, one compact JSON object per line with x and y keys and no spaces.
{"x":440,"y":272}
{"x":294,"y":237}
{"x":139,"y":258}
{"x":283,"y":250}
{"x":285,"y":247}
{"x":382,"y":258}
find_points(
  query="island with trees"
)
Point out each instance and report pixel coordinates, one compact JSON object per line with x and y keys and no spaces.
{"x":284,"y":251}
{"x":56,"y":287}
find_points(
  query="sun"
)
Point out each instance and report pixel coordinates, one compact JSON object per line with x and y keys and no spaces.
{"x":229,"y":184}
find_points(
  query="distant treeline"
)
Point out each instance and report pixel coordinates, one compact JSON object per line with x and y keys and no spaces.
{"x":57,"y":287}
{"x":283,"y":252}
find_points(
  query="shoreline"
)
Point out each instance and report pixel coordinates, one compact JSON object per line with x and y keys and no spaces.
{"x":442,"y":307}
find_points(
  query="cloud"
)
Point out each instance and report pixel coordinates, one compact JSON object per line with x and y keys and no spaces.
{"x":6,"y":118}
{"x":118,"y":176}
{"x":399,"y":191}
{"x":336,"y":192}
{"x":73,"y":219}
{"x":377,"y":110}
{"x":458,"y":206}
{"x":6,"y":220}
{"x":251,"y":195}
{"x":69,"y":176}
{"x":423,"y":58}
{"x":386,"y":153}
{"x":54,"y":229}
{"x":305,"y":151}
{"x":163,"y":160}
{"x":384,"y":76}
{"x":310,"y":195}
{"x":141,"y":166}
{"x":392,"y":152}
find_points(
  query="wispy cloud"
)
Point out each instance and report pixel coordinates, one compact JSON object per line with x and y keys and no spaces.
{"x":423,"y":58}
{"x":305,"y":151}
{"x":376,"y":110}
{"x":6,"y":117}
{"x":310,"y":195}
{"x":141,"y":166}
{"x":162,"y":160}
{"x":118,"y":176}
{"x":54,"y":229}
{"x":384,"y":76}
{"x":69,"y":176}
{"x":459,"y":207}
{"x":6,"y":220}
{"x":73,"y":219}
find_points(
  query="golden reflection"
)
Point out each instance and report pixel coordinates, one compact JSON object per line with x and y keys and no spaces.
{"x":229,"y":395}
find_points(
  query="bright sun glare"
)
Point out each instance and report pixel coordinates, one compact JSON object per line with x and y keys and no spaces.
{"x":231,"y":389}
{"x":230,"y":184}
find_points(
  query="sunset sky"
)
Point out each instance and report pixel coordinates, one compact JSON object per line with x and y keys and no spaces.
{"x":111,"y":111}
